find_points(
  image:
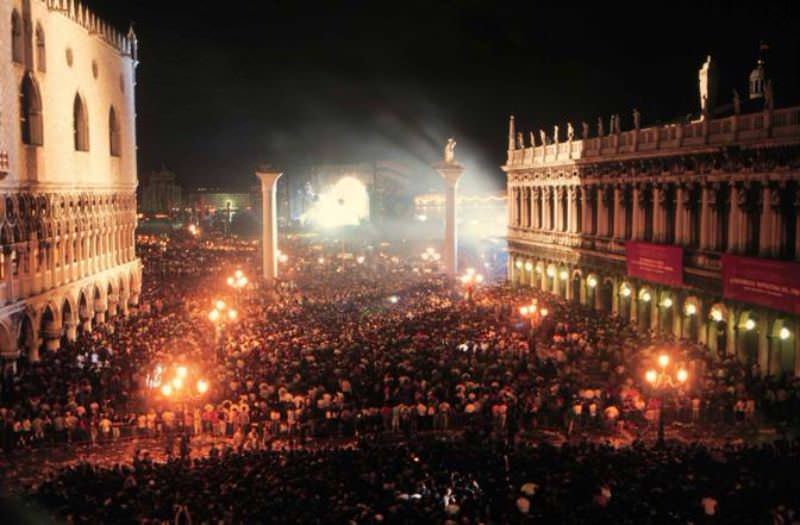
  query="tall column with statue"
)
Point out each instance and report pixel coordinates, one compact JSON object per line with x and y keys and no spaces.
{"x":269,"y":236}
{"x":451,"y":172}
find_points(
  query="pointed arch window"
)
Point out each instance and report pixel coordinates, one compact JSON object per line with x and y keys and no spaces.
{"x":113,"y":133}
{"x":16,"y":37}
{"x":41,"y":58}
{"x":80,"y":124}
{"x":31,"y":112}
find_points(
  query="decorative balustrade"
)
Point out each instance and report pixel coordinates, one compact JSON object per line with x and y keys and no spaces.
{"x":736,"y":129}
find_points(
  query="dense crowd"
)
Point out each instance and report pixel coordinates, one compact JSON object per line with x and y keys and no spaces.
{"x":375,"y":344}
{"x":429,"y":481}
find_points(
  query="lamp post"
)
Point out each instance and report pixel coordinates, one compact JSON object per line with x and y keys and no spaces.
{"x":662,"y":380}
{"x":237,"y":281}
{"x":470,"y":279}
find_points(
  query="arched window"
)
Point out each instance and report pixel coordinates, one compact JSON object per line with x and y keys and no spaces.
{"x":30,"y":112}
{"x":16,"y":37}
{"x":113,"y":133}
{"x":41,"y":60}
{"x":80,"y":124}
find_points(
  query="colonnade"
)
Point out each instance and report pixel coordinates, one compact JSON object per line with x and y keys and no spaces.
{"x":754,"y":336}
{"x":742,"y":217}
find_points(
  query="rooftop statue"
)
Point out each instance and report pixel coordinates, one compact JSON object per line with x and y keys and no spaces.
{"x":450,"y":151}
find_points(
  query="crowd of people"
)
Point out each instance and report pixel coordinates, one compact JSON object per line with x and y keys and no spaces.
{"x":350,"y":346}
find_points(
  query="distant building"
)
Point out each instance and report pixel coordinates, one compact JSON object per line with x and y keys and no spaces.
{"x":690,"y":228}
{"x":389,"y":184}
{"x":160,"y":193}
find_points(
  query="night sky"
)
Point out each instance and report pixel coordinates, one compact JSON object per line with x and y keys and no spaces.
{"x":225,"y":86}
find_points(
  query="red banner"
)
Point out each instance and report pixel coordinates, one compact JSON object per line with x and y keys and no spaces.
{"x":774,"y":284}
{"x":658,"y":263}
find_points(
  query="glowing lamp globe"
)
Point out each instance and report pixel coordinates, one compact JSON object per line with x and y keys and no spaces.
{"x":663,"y":360}
{"x":166,"y":390}
{"x":563,"y":275}
{"x":202,"y":386}
{"x":683,"y":375}
{"x":749,"y":324}
{"x":651,"y":376}
{"x":784,"y":333}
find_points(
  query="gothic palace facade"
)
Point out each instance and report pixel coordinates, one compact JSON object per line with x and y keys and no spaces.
{"x":67,"y":174}
{"x":690,"y":228}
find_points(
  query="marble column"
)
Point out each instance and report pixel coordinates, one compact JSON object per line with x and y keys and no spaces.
{"x":683,"y":215}
{"x":572,"y":217}
{"x":602,"y":212}
{"x":796,"y":203}
{"x":709,"y":217}
{"x":269,"y":223}
{"x":558,"y":214}
{"x":546,"y":208}
{"x":586,"y":210}
{"x":637,"y":217}
{"x":451,"y":173}
{"x":619,"y":213}
{"x":536,"y":205}
{"x":659,"y":213}
{"x":737,"y":229}
{"x":772,"y":232}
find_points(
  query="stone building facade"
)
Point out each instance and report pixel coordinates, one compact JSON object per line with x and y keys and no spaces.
{"x":67,"y":174}
{"x":725,"y":183}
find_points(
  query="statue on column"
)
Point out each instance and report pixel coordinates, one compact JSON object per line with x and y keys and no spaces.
{"x":533,"y":139}
{"x":450,"y":151}
{"x":612,"y":125}
{"x":617,"y":122}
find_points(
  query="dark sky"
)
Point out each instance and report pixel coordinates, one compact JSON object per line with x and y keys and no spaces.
{"x":224,"y":86}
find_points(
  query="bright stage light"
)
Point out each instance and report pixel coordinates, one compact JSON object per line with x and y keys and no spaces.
{"x":344,"y":204}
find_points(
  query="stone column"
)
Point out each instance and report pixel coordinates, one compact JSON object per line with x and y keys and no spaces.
{"x":772,"y":231}
{"x":558,"y":213}
{"x":637,"y":217}
{"x":659,"y":213}
{"x":683,"y":215}
{"x":586,"y":210}
{"x":572,"y":213}
{"x":546,"y":208}
{"x":269,"y":223}
{"x":536,"y":205}
{"x":736,"y":219}
{"x":602,"y":212}
{"x":619,"y":214}
{"x":709,"y":204}
{"x":451,"y":173}
{"x":796,"y":203}
{"x":526,"y":207}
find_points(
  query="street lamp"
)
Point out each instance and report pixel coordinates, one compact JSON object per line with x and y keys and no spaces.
{"x":662,"y":382}
{"x":470,"y":279}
